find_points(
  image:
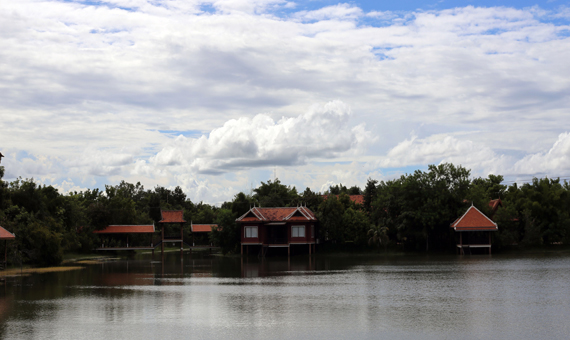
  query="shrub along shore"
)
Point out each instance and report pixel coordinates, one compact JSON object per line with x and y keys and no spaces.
{"x":409,"y":213}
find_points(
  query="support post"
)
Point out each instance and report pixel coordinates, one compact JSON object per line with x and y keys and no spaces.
{"x":162,"y":243}
{"x":461,"y":244}
{"x":489,"y":243}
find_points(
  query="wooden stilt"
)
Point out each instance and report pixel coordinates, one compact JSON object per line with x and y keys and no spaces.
{"x":162,"y":243}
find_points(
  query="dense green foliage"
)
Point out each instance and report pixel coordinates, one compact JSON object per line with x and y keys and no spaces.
{"x":413,"y":211}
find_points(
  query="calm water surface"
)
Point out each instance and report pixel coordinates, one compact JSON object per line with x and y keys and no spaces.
{"x":404,"y":297}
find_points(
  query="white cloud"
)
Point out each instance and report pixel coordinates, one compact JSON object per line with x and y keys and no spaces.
{"x":446,"y":149}
{"x":322,"y":132}
{"x":91,"y":87}
{"x":340,"y":12}
{"x":554,"y":162}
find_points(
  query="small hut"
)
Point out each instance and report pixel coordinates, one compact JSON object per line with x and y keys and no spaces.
{"x":123,"y":231}
{"x":477,"y":229}
{"x":201,"y":233}
{"x":6,"y":235}
{"x":175,"y":217}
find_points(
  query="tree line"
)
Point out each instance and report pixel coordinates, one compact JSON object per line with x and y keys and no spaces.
{"x":413,"y":212}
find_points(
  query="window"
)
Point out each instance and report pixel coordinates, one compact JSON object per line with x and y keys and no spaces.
{"x":298,"y":231}
{"x":251,"y":232}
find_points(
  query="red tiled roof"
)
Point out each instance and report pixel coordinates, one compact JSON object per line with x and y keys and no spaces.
{"x":126,"y":229}
{"x":474,"y":220}
{"x":203,"y":228}
{"x":358,"y":199}
{"x":278,"y":215}
{"x":172,"y":216}
{"x":495,"y":204}
{"x":6,"y":235}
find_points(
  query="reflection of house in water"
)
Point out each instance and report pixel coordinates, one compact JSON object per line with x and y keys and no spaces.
{"x":265,"y":228}
{"x":277,"y":266}
{"x":127,"y":279}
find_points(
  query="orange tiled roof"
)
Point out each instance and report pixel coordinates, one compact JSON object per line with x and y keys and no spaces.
{"x":172,"y":216}
{"x":126,"y":229}
{"x":277,"y":215}
{"x":358,"y":199}
{"x":6,"y":235}
{"x":203,"y":228}
{"x":495,"y":204}
{"x":474,"y":220}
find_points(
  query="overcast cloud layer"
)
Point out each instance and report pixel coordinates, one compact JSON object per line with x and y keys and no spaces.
{"x":216,"y":96}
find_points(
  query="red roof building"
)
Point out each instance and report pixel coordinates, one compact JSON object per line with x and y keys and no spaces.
{"x":116,"y":237}
{"x":474,"y":221}
{"x":202,"y":228}
{"x":358,"y":199}
{"x":277,"y":228}
{"x":172,"y":216}
{"x":6,"y":235}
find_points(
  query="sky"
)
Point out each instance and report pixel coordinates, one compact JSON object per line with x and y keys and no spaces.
{"x":217,"y":96}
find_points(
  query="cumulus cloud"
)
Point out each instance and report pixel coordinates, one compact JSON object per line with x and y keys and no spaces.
{"x":320,"y":133}
{"x":100,"y":162}
{"x":555,"y":161}
{"x":114,"y":74}
{"x":446,"y":149}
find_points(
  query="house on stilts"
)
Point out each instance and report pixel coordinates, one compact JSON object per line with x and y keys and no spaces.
{"x":264,"y":228}
{"x":474,"y":229}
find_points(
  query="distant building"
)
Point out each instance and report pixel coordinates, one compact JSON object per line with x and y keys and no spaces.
{"x":477,"y":228}
{"x":264,"y":228}
{"x":357,"y":199}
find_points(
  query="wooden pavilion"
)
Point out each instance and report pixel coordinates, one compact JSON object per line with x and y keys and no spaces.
{"x":172,"y":217}
{"x":126,"y":230}
{"x":200,"y":233}
{"x":6,"y":235}
{"x":477,"y":229}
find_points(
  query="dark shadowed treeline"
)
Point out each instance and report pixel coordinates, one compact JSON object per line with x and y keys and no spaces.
{"x":413,"y":212}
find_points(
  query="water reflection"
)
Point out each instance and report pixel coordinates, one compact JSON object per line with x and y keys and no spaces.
{"x":301,"y":297}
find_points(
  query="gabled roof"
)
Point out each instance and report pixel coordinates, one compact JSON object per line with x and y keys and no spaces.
{"x":172,"y":216}
{"x":358,"y":199}
{"x":203,"y":228}
{"x":296,"y":214}
{"x":474,"y":220}
{"x":126,"y":229}
{"x":6,"y":235}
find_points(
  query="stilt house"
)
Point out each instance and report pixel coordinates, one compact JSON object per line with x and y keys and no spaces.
{"x":474,"y":230}
{"x":263,"y":228}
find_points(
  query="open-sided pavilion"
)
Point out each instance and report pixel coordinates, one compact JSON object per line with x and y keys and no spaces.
{"x":6,"y":236}
{"x":477,"y":228}
{"x":127,"y":230}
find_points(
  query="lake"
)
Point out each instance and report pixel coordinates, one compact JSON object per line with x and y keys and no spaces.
{"x":334,"y":297}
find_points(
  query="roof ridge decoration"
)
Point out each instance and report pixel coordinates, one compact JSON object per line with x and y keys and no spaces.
{"x":299,"y":209}
{"x":258,"y":213}
{"x":456,"y":222}
{"x":255,"y":212}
